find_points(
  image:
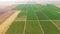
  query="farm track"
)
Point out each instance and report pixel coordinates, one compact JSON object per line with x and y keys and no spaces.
{"x":6,"y":12}
{"x":8,"y":21}
{"x":4,"y":16}
{"x":39,"y":20}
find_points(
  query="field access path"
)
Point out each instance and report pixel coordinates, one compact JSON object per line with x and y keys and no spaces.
{"x":7,"y":16}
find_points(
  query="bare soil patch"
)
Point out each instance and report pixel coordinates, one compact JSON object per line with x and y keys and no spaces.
{"x":5,"y":16}
{"x":5,"y":25}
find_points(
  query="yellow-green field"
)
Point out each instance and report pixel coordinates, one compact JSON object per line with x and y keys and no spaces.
{"x":36,"y":19}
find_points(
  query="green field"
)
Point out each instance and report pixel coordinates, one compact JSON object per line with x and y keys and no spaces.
{"x":36,"y":19}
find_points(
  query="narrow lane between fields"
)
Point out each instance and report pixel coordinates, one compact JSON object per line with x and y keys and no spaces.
{"x":25,"y":22}
{"x":42,"y":31}
{"x":46,"y":32}
{"x":52,"y":22}
{"x":17,"y":27}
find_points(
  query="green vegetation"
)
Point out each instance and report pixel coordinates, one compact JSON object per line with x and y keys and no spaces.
{"x":51,"y":11}
{"x":57,"y":23}
{"x":49,"y":28}
{"x":30,"y":15}
{"x":37,"y":17}
{"x":23,"y":13}
{"x":33,"y":27}
{"x":16,"y":28}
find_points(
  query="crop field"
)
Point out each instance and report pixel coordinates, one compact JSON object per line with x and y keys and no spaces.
{"x":36,"y":19}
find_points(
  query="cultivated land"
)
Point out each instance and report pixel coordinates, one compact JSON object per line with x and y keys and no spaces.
{"x":6,"y":19}
{"x":36,"y":19}
{"x":7,"y":16}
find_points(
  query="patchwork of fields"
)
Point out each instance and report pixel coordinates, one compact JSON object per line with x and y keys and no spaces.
{"x":36,"y":19}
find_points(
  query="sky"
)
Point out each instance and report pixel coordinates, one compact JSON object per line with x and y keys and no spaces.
{"x":27,"y":0}
{"x":46,"y":1}
{"x":11,"y":2}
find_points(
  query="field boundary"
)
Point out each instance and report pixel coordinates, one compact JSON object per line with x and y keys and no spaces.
{"x":39,"y":23}
{"x":52,"y":22}
{"x":39,"y":20}
{"x":25,"y":24}
{"x":4,"y":27}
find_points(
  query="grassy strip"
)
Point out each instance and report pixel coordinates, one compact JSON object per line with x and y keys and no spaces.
{"x":57,"y":23}
{"x":23,"y":13}
{"x":41,"y":16}
{"x":16,"y":28}
{"x":49,"y":28}
{"x":37,"y":19}
{"x":38,"y":12}
{"x":32,"y":27}
{"x":19,"y":7}
{"x":50,"y":11}
{"x":30,"y":14}
{"x":22,"y":8}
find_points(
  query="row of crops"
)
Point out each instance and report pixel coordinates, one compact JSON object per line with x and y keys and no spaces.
{"x":47,"y":26}
{"x":34,"y":14}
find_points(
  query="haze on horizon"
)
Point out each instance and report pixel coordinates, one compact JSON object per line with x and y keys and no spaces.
{"x":9,"y":2}
{"x":30,"y":0}
{"x":39,"y":1}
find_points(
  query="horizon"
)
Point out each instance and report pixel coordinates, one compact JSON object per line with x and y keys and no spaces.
{"x":4,"y":3}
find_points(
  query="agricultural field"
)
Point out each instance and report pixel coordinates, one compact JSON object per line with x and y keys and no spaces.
{"x":36,"y":19}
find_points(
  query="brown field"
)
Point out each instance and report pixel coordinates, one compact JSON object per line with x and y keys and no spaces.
{"x":6,"y":20}
{"x":5,"y":15}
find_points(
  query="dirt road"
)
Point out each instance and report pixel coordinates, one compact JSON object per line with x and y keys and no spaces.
{"x":6,"y":12}
{"x":7,"y":16}
{"x":5,"y":25}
